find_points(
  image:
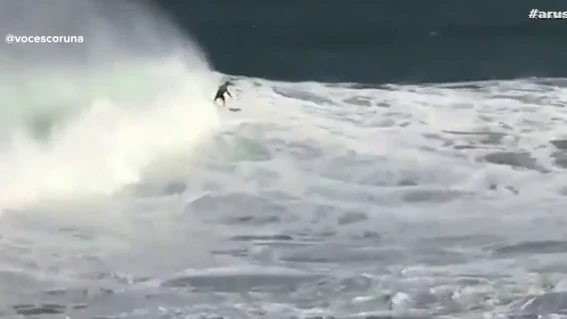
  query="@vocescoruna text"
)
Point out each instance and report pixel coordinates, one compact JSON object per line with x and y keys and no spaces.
{"x":10,"y":38}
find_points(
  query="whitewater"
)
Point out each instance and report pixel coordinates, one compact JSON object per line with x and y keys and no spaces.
{"x":126,"y":192}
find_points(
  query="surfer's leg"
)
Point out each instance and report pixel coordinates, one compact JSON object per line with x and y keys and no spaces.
{"x":219,"y":96}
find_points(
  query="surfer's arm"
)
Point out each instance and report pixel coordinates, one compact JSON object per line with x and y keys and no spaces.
{"x":228,"y":93}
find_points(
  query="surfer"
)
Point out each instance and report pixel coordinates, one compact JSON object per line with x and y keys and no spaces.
{"x":221,"y":91}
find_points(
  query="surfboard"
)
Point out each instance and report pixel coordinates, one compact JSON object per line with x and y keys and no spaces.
{"x":233,"y":109}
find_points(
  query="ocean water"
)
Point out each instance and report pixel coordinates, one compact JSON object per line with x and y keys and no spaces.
{"x":391,"y":159}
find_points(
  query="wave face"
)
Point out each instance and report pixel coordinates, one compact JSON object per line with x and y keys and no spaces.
{"x":87,"y":118}
{"x":126,"y":193}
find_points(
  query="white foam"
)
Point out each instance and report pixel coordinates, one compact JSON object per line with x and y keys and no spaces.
{"x":135,"y":91}
{"x":104,"y":148}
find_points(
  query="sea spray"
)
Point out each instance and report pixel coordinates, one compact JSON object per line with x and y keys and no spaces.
{"x":105,"y":109}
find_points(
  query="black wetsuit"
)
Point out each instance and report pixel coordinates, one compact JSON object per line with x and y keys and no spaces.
{"x":221,"y":91}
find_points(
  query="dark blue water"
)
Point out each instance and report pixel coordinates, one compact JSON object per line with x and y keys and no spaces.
{"x":377,"y":41}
